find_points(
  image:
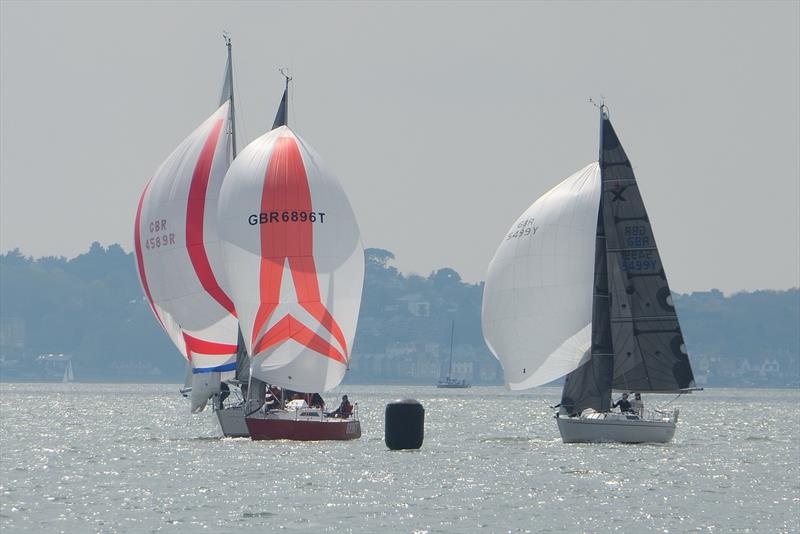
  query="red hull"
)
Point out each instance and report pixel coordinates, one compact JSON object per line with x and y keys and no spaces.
{"x":261,"y":428}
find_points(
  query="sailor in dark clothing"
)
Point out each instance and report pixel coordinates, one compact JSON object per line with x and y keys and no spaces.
{"x":344,"y":410}
{"x":316,"y":401}
{"x":224,"y":392}
{"x":624,"y":404}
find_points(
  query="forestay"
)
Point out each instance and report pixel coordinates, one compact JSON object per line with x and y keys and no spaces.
{"x":294,"y":260}
{"x":537,"y":301}
{"x":178,"y":253}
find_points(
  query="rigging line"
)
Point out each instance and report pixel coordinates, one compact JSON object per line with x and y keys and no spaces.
{"x":671,"y":401}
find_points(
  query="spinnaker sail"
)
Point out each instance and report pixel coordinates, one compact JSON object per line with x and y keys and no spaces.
{"x":294,"y":261}
{"x":178,"y":251}
{"x":537,"y":300}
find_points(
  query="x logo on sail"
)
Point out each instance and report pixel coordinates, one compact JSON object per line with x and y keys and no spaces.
{"x":618,"y":193}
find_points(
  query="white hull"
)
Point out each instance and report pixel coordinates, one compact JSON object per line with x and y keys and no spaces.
{"x":231,"y":421}
{"x":614,"y":428}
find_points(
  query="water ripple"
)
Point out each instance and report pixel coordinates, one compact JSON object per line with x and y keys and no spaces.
{"x":129,"y":458}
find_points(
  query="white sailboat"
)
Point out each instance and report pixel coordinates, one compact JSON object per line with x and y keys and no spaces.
{"x":178,"y":252}
{"x":449,"y":382}
{"x":295,"y":264}
{"x":577,"y":288}
{"x":68,"y":374}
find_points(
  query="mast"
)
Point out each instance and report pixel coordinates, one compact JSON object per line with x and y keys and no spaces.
{"x":227,"y":90}
{"x":602,"y":343}
{"x":242,"y":359}
{"x":450,"y":369}
{"x":589,"y":386}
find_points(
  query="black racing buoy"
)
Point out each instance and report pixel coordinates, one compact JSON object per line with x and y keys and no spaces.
{"x":405,"y":424}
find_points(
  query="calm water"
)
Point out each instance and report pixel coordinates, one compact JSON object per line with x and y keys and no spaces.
{"x":129,"y":458}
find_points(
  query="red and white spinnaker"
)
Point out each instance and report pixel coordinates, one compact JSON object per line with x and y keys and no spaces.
{"x":178,"y":253}
{"x":294,"y":261}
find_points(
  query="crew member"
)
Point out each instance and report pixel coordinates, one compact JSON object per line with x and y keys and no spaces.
{"x":344,"y":410}
{"x":224,"y":392}
{"x":637,"y":404}
{"x":316,"y":401}
{"x":624,"y":404}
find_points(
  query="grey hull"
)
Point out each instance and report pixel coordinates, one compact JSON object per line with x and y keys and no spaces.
{"x":231,"y":421}
{"x":582,"y":430}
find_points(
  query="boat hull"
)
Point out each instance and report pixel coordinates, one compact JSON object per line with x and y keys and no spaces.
{"x":231,"y":421}
{"x":266,"y":428}
{"x":619,"y":430}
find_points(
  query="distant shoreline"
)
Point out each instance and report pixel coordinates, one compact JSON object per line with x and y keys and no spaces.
{"x":345,"y":385}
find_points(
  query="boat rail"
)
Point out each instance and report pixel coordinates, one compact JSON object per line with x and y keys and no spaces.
{"x":317,"y":412}
{"x":655,"y":415}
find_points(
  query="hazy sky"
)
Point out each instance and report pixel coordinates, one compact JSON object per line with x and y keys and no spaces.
{"x":443,"y":121}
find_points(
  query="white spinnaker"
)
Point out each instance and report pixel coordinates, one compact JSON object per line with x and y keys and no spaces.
{"x":294,"y":261}
{"x":537,"y":301}
{"x":178,"y":253}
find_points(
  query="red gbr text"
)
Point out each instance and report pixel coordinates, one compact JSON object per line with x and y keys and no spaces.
{"x":159,"y":237}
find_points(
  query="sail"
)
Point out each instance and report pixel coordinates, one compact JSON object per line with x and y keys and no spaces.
{"x":589,"y":386}
{"x":537,"y":300}
{"x":282,"y":116}
{"x":178,"y":253}
{"x":294,"y":261}
{"x":649,"y":349}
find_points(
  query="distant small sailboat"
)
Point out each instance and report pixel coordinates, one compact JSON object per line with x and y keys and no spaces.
{"x":68,"y":375}
{"x":577,"y":288}
{"x":295,"y":265}
{"x":449,"y":382}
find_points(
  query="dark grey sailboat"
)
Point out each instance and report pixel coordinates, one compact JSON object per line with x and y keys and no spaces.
{"x":637,"y":342}
{"x":633,"y":341}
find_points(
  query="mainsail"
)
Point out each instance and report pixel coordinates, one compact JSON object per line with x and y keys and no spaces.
{"x":178,"y":250}
{"x":649,"y":350}
{"x":294,"y":261}
{"x":615,"y":285}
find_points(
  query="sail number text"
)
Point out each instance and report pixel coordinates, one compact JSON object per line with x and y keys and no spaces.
{"x":522,"y":229}
{"x":162,"y":238}
{"x":639,"y":260}
{"x":637,"y":236}
{"x":271,"y":217}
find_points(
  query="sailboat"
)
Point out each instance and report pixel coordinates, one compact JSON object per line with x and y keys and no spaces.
{"x":68,"y":374}
{"x":449,"y":382}
{"x":295,"y":264}
{"x":178,"y":254}
{"x":577,"y":288}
